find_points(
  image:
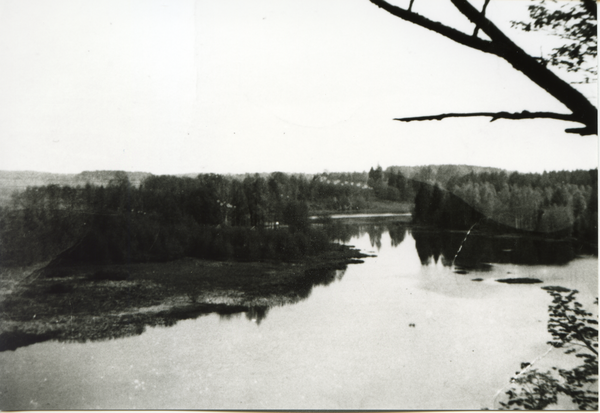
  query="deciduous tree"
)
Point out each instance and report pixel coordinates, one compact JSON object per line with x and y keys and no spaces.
{"x":578,"y":27}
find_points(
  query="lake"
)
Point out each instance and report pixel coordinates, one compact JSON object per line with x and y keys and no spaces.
{"x":407,"y":329}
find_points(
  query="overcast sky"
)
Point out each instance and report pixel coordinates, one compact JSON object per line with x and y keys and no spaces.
{"x":231,"y":86}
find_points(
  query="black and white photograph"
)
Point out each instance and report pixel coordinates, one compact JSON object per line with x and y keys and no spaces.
{"x":316,"y":205}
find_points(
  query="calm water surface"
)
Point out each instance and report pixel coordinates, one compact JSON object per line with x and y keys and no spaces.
{"x":350,"y":345}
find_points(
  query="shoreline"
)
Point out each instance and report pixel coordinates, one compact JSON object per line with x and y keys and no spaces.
{"x":100,"y":302}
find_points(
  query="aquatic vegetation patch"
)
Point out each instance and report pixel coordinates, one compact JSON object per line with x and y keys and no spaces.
{"x":523,"y":280}
{"x":100,"y":302}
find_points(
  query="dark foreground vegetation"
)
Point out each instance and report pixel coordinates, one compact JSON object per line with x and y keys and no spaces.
{"x":574,"y":330}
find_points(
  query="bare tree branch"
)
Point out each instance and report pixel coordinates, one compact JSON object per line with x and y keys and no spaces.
{"x":483,"y":14}
{"x":449,"y":32}
{"x":494,"y":115}
{"x":585,"y":131}
{"x":583,"y":111}
{"x":506,"y":115}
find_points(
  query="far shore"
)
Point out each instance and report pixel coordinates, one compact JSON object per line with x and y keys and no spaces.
{"x":375,"y":208}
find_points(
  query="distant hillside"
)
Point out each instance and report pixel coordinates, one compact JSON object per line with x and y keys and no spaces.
{"x":23,"y":179}
{"x":11,"y":181}
{"x":104,"y":177}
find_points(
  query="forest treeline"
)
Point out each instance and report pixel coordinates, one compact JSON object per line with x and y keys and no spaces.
{"x":560,"y":203}
{"x":210,"y":199}
{"x":233,"y":217}
{"x":166,"y":217}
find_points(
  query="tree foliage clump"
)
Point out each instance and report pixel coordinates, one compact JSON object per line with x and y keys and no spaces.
{"x":573,"y":329}
{"x":576,"y":24}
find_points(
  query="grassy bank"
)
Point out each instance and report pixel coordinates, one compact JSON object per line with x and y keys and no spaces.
{"x":80,"y":303}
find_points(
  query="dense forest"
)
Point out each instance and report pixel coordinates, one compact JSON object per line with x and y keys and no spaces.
{"x":166,"y":217}
{"x":257,"y":217}
{"x":559,"y":203}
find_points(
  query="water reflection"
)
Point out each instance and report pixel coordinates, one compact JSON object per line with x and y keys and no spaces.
{"x":375,"y":234}
{"x":344,"y":232}
{"x":478,"y":249}
{"x":397,"y":234}
{"x":257,"y":314}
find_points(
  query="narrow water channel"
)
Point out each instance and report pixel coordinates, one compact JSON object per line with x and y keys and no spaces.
{"x":402,"y":331}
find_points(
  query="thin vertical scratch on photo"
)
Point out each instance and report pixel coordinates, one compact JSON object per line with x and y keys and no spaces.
{"x":463,"y":242}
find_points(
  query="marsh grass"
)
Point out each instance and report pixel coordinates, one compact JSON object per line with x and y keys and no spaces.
{"x":91,"y":302}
